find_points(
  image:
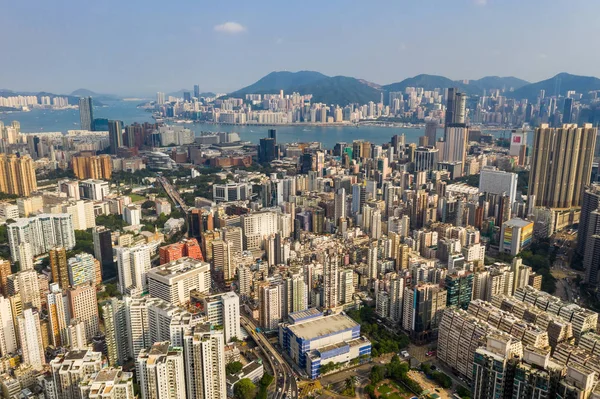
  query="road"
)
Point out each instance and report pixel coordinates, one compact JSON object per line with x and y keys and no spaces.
{"x":289,"y":385}
{"x":172,"y":193}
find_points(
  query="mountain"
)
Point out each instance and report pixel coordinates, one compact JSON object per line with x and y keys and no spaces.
{"x":94,"y":95}
{"x":497,"y":82}
{"x":73,"y":100}
{"x":430,"y":82}
{"x":340,"y":90}
{"x":283,"y":80}
{"x":557,"y":85}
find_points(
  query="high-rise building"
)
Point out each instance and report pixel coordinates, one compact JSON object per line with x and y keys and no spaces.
{"x":71,"y":368}
{"x":590,"y":202}
{"x":27,"y":285}
{"x":330,"y":281}
{"x":59,"y":267}
{"x":561,"y":164}
{"x":160,"y":98}
{"x":82,"y":269}
{"x":30,"y":333}
{"x":267,"y":150}
{"x":8,"y":334}
{"x":17,"y":175}
{"x":108,"y":383}
{"x":423,"y":309}
{"x":43,"y":232}
{"x":115,"y":136}
{"x":83,"y":305}
{"x":494,"y":181}
{"x":115,"y":330}
{"x":103,"y":250}
{"x":568,"y":110}
{"x":161,"y":371}
{"x":431,"y":132}
{"x":57,"y":315}
{"x":174,"y":281}
{"x":224,"y":310}
{"x":222,"y":260}
{"x":456,"y":107}
{"x":459,"y":288}
{"x":5,"y":271}
{"x":270,"y":297}
{"x":273,"y":135}
{"x":340,"y":204}
{"x":92,"y":167}
{"x":86,"y":113}
{"x":591,"y":252}
{"x":133,"y":264}
{"x":197,"y":91}
{"x":205,"y":363}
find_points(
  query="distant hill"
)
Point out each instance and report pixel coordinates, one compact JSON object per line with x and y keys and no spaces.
{"x":498,"y":82}
{"x":276,"y":81}
{"x":73,"y":100}
{"x":94,"y":95}
{"x":430,"y":82}
{"x":557,"y":85}
{"x":340,"y":90}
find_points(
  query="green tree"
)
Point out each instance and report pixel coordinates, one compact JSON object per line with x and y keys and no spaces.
{"x":377,"y":374}
{"x":244,"y":389}
{"x":233,"y":367}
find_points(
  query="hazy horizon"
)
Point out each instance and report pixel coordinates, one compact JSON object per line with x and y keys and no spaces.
{"x":107,"y":48}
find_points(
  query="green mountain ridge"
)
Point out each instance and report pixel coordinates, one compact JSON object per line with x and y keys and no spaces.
{"x":557,"y":85}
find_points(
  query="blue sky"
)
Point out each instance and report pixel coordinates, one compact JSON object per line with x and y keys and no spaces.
{"x":138,"y":47}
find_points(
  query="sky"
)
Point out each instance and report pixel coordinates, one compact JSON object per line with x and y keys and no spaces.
{"x":139,"y":47}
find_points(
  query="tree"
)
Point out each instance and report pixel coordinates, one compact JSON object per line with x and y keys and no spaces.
{"x":244,"y":389}
{"x":377,"y":374}
{"x":233,"y":367}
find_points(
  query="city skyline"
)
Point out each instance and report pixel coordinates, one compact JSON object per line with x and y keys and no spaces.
{"x":404,"y":40}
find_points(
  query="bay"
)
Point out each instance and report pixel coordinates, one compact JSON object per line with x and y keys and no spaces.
{"x":44,"y":120}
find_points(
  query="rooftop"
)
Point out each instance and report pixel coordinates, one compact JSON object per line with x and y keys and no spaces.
{"x":322,"y":326}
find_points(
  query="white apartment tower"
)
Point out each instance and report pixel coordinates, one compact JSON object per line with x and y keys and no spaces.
{"x":205,"y":363}
{"x":31,"y":339}
{"x":161,"y":372}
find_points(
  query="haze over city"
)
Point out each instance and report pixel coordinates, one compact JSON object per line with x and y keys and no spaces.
{"x":136,"y":48}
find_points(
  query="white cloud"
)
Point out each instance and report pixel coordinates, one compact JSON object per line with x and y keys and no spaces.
{"x":480,"y":2}
{"x":543,"y":56}
{"x":403,"y":46}
{"x":230,"y":27}
{"x":279,"y":40}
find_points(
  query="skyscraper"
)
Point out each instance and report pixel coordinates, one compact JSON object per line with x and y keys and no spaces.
{"x":561,"y":164}
{"x":431,"y":132}
{"x":267,"y":150}
{"x":31,"y":339}
{"x":103,"y":250}
{"x":17,"y":175}
{"x":115,"y":135}
{"x":205,"y":363}
{"x":330,"y":281}
{"x":160,"y":98}
{"x":86,"y":113}
{"x":273,"y":135}
{"x":161,"y":371}
{"x":567,"y":110}
{"x":456,"y":106}
{"x":197,"y":91}
{"x":590,"y":202}
{"x":59,"y":267}
{"x":83,"y":305}
{"x":57,"y":315}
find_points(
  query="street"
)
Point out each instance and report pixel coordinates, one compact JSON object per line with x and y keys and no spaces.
{"x":289,"y":386}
